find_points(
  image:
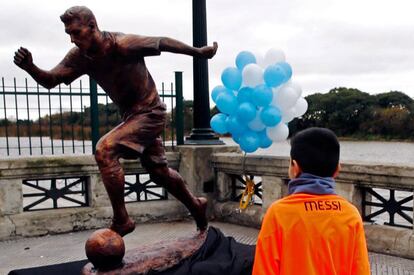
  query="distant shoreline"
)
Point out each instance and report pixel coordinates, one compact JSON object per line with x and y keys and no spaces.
{"x":363,"y":139}
{"x":375,"y":138}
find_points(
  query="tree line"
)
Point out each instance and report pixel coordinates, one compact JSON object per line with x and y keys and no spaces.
{"x":356,"y":114}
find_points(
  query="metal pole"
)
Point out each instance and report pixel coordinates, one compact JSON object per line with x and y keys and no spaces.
{"x":29,"y":126}
{"x":179,"y":108}
{"x":5,"y":117}
{"x":82,"y":116}
{"x":40,"y":116}
{"x":201,"y":133}
{"x":17,"y":118}
{"x":94,"y":113}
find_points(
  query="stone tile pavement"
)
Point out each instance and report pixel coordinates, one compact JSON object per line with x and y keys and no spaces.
{"x":46,"y":250}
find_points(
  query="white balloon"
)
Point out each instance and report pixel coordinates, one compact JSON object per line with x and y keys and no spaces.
{"x":259,"y":59}
{"x":252,"y":75}
{"x":301,"y":107}
{"x":286,"y":97}
{"x":274,"y":98}
{"x":273,"y":56}
{"x":278,"y":133}
{"x":294,"y":85}
{"x":288,"y":115}
{"x":256,"y":124}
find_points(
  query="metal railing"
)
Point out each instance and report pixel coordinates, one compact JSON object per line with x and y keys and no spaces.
{"x":140,"y":188}
{"x":54,"y":193}
{"x":70,"y":119}
{"x":392,"y":207}
{"x":238,"y":185}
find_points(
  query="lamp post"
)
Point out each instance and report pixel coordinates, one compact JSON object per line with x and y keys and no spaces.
{"x":201,"y":133}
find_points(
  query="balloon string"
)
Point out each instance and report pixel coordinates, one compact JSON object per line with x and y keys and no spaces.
{"x":244,"y":163}
{"x":248,"y":193}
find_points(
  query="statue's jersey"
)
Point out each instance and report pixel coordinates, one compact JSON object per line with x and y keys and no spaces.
{"x":312,"y":235}
{"x":121,"y":71}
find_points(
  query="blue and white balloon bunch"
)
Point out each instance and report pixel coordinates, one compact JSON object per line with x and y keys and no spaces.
{"x":257,"y":101}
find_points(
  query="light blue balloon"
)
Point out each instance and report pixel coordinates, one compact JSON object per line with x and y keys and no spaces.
{"x":249,"y":142}
{"x":246,"y":112}
{"x":227,"y":103}
{"x":287,"y":69}
{"x":265,"y":141}
{"x":218,"y":90}
{"x":236,"y":138}
{"x":244,"y":58}
{"x":245,"y":94}
{"x":231,"y":78}
{"x":274,"y":75}
{"x":218,"y":123}
{"x":271,"y":116}
{"x":235,"y":126}
{"x":262,"y":95}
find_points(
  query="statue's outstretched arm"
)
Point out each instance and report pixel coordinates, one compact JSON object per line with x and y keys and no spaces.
{"x":48,"y":79}
{"x":175,"y":46}
{"x":137,"y":45}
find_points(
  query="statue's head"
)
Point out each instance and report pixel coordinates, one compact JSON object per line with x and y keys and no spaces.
{"x":80,"y":24}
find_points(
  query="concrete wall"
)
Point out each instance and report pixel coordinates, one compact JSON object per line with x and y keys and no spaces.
{"x":14,"y":222}
{"x":273,"y":171}
{"x":193,"y":162}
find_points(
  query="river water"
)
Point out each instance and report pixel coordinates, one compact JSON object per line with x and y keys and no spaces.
{"x":401,"y":153}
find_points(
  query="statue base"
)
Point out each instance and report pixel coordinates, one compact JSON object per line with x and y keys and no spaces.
{"x":153,"y":258}
{"x":217,"y":255}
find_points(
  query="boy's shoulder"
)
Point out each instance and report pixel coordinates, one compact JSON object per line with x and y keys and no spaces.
{"x":311,"y":202}
{"x":314,"y":210}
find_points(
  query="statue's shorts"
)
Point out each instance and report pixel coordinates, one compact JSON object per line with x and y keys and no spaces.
{"x":138,"y":136}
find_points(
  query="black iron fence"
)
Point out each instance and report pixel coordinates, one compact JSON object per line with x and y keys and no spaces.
{"x":70,"y":119}
{"x":389,"y":206}
{"x":238,"y":186}
{"x":54,"y":193}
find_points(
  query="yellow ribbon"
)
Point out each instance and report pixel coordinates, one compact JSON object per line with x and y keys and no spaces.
{"x":247,"y":194}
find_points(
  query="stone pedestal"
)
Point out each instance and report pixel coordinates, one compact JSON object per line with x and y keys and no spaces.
{"x":10,"y":196}
{"x":156,"y":257}
{"x":223,"y":185}
{"x":274,"y":188}
{"x":195,"y":166}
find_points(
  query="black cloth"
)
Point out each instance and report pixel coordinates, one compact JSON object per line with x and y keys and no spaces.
{"x":71,"y":268}
{"x":219,"y":255}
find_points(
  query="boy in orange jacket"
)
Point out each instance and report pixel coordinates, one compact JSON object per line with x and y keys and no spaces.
{"x":312,"y":230}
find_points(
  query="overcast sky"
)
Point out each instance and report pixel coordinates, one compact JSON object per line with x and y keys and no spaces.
{"x":362,"y":44}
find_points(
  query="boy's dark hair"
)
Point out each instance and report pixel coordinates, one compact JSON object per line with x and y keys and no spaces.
{"x":81,"y":13}
{"x":316,"y":150}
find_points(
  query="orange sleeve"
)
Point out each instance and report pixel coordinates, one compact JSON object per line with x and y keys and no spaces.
{"x":267,"y":260}
{"x":361,"y":261}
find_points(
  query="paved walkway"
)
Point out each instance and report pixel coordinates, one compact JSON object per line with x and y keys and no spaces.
{"x":55,"y":249}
